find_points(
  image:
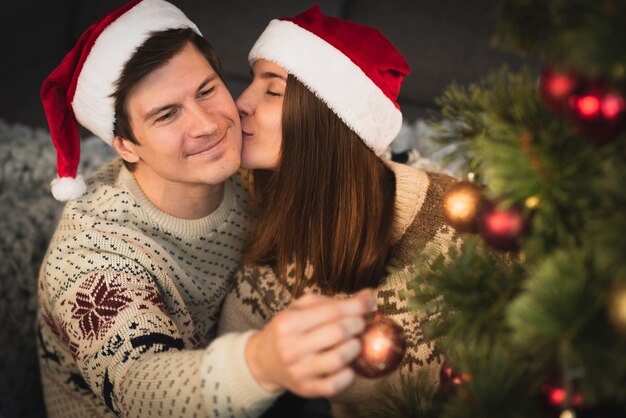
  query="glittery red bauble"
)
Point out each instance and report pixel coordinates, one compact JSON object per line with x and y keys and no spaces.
{"x":597,"y":112}
{"x":555,"y":89}
{"x":503,"y":229}
{"x":462,"y":204}
{"x":383,"y":347}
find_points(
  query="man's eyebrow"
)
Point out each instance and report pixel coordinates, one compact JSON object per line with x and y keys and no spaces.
{"x":155,"y":111}
{"x":206,"y":81}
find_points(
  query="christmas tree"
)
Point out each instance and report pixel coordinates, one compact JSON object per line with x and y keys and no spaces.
{"x":530,"y":311}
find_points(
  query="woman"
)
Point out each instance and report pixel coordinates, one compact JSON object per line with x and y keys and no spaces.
{"x":333,"y":217}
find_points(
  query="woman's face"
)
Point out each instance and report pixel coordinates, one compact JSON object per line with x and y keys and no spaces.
{"x":261,"y":108}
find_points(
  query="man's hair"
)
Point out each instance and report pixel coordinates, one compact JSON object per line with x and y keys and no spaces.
{"x":154,"y":53}
{"x":329,"y":205}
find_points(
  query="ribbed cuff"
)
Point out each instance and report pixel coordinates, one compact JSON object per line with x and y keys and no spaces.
{"x":228,"y":384}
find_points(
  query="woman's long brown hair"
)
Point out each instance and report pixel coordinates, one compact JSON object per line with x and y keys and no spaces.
{"x":328,"y":206}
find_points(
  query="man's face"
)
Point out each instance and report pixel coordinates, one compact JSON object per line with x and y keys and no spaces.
{"x":185,"y":122}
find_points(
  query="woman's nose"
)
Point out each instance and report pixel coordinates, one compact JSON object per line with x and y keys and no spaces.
{"x":244,"y":104}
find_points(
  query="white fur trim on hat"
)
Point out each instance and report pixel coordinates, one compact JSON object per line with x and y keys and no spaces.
{"x":332,"y":77}
{"x":67,"y":188}
{"x":92,"y":104}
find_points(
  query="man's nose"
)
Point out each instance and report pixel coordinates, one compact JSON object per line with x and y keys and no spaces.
{"x":202,"y":121}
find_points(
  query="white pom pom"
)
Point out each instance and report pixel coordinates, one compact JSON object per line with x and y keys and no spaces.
{"x":67,"y":188}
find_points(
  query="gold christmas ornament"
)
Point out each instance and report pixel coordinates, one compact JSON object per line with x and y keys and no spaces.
{"x":462,"y":204}
{"x":617,"y":307}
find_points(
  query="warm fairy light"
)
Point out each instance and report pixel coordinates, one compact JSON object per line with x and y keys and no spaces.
{"x":532,"y":202}
{"x":568,"y":413}
{"x":555,"y":88}
{"x":620,"y":308}
{"x":448,"y":374}
{"x":588,"y":106}
{"x":558,"y":85}
{"x":612,"y":106}
{"x":617,"y":307}
{"x":557,"y":396}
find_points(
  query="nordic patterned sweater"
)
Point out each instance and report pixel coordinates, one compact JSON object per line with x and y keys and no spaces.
{"x":128,"y":304}
{"x":257,"y":295}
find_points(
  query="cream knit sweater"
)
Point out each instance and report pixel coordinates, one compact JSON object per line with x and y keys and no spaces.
{"x":258,"y":295}
{"x":128,"y":304}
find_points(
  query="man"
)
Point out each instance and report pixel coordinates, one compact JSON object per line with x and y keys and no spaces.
{"x":131,"y":285}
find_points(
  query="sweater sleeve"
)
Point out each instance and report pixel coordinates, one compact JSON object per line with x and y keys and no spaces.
{"x":254,"y":298}
{"x":133,"y":356}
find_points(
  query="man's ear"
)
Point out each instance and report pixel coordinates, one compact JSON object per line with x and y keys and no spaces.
{"x":126,"y":149}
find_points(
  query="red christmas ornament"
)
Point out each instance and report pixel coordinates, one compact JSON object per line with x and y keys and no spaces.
{"x":597,"y":112}
{"x":462,"y":204}
{"x":503,"y":229}
{"x":555,"y":89}
{"x":383,"y":347}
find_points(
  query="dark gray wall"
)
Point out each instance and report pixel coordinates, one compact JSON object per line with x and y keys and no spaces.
{"x":443,"y":40}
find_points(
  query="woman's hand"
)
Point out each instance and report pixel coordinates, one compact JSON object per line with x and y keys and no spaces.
{"x":307,"y":348}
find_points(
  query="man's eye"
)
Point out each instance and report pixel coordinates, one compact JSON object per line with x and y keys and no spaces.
{"x":167,"y":116}
{"x":206,"y":92}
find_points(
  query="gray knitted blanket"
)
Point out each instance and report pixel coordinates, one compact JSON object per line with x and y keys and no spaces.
{"x":28,"y":214}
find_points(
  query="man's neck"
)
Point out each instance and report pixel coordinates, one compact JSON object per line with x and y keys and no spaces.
{"x":181,"y":200}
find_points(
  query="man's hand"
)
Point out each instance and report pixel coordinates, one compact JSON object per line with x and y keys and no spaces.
{"x":308,"y":347}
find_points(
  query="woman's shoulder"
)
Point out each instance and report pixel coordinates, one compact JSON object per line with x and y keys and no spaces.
{"x":420,"y":222}
{"x":418,"y":197}
{"x":411,"y":180}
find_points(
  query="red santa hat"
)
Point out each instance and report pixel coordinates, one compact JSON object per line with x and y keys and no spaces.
{"x":79,"y":90}
{"x":353,"y":68}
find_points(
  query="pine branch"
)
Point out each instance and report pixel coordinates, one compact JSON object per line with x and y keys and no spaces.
{"x":500,"y":385}
{"x":572,"y":34}
{"x":414,"y":397}
{"x":466,"y":298}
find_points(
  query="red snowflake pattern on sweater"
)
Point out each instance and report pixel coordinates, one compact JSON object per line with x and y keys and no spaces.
{"x":102,"y":300}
